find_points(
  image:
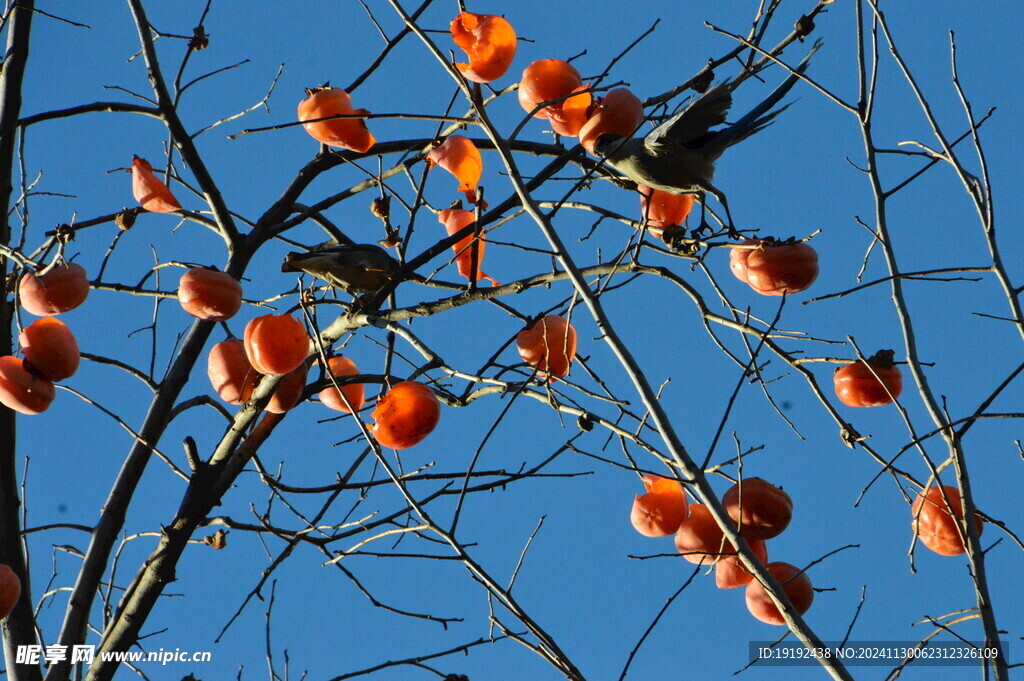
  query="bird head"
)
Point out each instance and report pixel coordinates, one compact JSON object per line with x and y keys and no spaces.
{"x":606,"y":143}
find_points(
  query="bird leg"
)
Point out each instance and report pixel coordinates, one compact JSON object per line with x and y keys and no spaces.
{"x":718,"y":194}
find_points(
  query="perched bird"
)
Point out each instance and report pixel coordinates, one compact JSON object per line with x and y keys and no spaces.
{"x":356,"y":268}
{"x":679,"y":155}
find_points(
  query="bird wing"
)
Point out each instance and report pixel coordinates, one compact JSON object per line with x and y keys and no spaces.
{"x":693,"y":122}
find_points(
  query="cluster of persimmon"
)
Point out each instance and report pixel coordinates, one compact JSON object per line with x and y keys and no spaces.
{"x":50,"y":349}
{"x":278,"y":344}
{"x":760,"y":510}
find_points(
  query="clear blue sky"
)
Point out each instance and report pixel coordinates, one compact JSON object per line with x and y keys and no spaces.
{"x":578,"y":579}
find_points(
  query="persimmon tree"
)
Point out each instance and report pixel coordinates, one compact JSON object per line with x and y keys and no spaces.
{"x":398,"y":460}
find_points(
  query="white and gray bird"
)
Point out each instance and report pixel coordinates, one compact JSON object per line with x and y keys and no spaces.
{"x":679,"y":155}
{"x":355,"y":268}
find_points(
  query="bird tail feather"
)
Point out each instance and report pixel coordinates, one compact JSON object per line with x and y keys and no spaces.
{"x":756,"y":120}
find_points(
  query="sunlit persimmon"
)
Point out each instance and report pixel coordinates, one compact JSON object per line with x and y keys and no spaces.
{"x":152,"y":194}
{"x":738,"y":258}
{"x":355,"y":393}
{"x":455,"y":219}
{"x":659,"y":512}
{"x":22,"y":390}
{"x":858,"y":384}
{"x":288,"y":391}
{"x":230,"y":372}
{"x":209,"y":294}
{"x":730,"y":573}
{"x":50,"y":348}
{"x":935,"y":526}
{"x":619,"y":112}
{"x":460,"y":157}
{"x":775,"y":269}
{"x":546,"y":80}
{"x":59,"y":289}
{"x":700,"y":539}
{"x":10,"y":590}
{"x":548,"y":344}
{"x":276,"y":344}
{"x":570,"y":117}
{"x":762,"y":509}
{"x":348,"y":133}
{"x":490,"y":43}
{"x":405,"y":415}
{"x":662,"y":209}
{"x":796,"y":585}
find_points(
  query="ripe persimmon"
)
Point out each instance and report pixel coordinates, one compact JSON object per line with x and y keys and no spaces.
{"x":50,"y":348}
{"x":348,"y":133}
{"x":858,"y":386}
{"x":546,"y":80}
{"x":230,"y":372}
{"x":152,"y":194}
{"x":766,"y":509}
{"x":460,"y":157}
{"x":730,"y":572}
{"x":405,"y":415}
{"x":276,"y":344}
{"x":355,"y":393}
{"x":59,"y":289}
{"x":700,"y":539}
{"x":619,"y":112}
{"x":455,"y":219}
{"x":289,"y":390}
{"x":934,"y":525}
{"x":22,"y":390}
{"x":659,"y":512}
{"x":662,"y":209}
{"x":548,"y":344}
{"x":774,"y":269}
{"x":490,"y":43}
{"x":10,"y":590}
{"x":795,"y":583}
{"x":209,"y":294}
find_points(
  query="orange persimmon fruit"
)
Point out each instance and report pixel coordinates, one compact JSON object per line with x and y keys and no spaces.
{"x":230,"y":372}
{"x":405,"y":415}
{"x":10,"y":590}
{"x":619,"y":112}
{"x":662,"y":209}
{"x":288,"y":391}
{"x":700,"y":539}
{"x":276,"y":344}
{"x":659,"y":512}
{"x":548,"y":344}
{"x":773,"y":268}
{"x":355,"y":393}
{"x":766,"y":509}
{"x":856,"y":384}
{"x":934,"y":525}
{"x":209,"y":294}
{"x":730,"y":573}
{"x":546,"y":80}
{"x":460,"y":157}
{"x":490,"y":43}
{"x":152,"y":194}
{"x":455,"y":219}
{"x":348,"y":133}
{"x":23,"y":391}
{"x":50,"y":348}
{"x":796,"y":585}
{"x":59,"y":289}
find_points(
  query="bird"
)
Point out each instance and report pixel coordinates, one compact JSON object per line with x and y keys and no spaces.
{"x":679,"y":155}
{"x":354,"y":268}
